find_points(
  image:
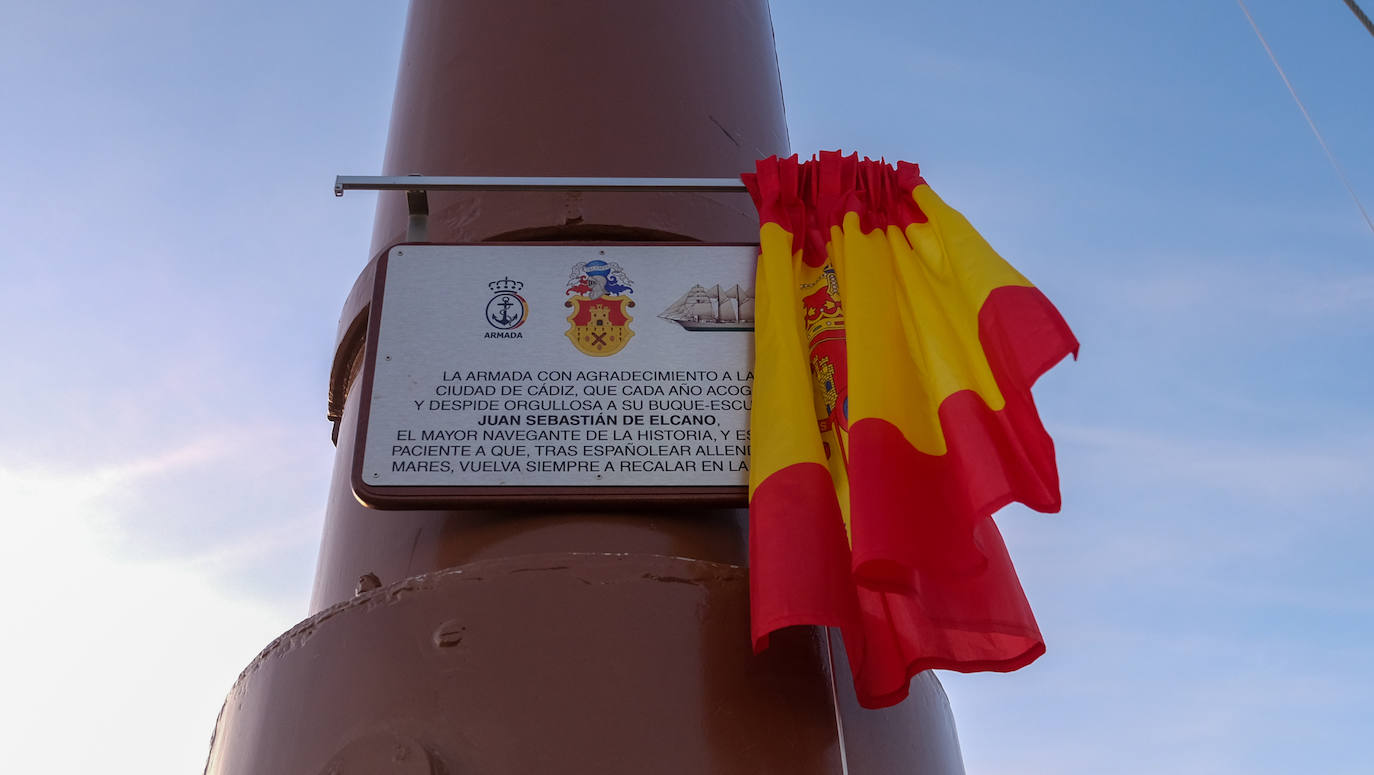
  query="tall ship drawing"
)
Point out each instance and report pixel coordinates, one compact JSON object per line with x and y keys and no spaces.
{"x":729,"y":308}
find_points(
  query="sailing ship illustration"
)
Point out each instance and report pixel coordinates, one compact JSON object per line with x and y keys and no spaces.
{"x":729,"y":308}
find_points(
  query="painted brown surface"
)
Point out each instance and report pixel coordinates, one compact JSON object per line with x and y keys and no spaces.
{"x":633,"y":88}
{"x":537,"y":664}
{"x":916,"y":736}
{"x":563,"y":662}
{"x":579,"y":639}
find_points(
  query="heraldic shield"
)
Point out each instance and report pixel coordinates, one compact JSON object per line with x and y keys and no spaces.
{"x":600,"y":326}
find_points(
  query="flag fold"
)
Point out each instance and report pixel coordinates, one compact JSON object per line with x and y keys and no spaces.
{"x":894,"y":357}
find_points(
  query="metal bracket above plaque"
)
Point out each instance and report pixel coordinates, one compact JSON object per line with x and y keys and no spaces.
{"x":541,"y":372}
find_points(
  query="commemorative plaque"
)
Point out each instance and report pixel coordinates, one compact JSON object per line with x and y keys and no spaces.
{"x":537,"y":372}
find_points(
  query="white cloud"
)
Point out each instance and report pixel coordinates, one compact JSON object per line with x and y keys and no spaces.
{"x":127,"y":656}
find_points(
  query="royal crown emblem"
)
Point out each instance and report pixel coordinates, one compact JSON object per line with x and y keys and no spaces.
{"x":600,"y":323}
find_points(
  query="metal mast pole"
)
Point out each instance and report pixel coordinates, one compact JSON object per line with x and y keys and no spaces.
{"x":579,"y":639}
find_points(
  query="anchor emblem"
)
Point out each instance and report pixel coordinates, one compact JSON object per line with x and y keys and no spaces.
{"x":507,"y":309}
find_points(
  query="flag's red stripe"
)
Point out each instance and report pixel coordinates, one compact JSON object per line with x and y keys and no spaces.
{"x":800,"y":574}
{"x":932,"y":585}
{"x":799,"y":561}
{"x":918,"y":510}
{"x":964,"y":622}
{"x":807,"y":200}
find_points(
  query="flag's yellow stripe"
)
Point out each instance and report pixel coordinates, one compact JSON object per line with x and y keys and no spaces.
{"x":899,"y":287}
{"x":918,"y":291}
{"x":783,"y":428}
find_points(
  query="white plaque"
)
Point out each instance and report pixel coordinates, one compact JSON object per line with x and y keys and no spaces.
{"x":558,"y":366}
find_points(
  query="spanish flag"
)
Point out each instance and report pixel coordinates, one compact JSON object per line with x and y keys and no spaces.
{"x":894,"y":358}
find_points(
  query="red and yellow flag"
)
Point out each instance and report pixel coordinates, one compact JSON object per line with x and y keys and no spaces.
{"x":894,"y":357}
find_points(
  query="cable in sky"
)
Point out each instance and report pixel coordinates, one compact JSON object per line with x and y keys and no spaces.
{"x":1359,"y":14}
{"x":1331,"y":157}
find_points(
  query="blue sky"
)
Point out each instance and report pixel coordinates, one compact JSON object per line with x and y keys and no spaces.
{"x":176,"y":262}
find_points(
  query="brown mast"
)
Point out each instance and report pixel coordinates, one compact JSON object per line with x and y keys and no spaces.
{"x":561,"y":639}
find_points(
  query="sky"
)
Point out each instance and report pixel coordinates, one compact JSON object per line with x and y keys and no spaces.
{"x":176,"y":262}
